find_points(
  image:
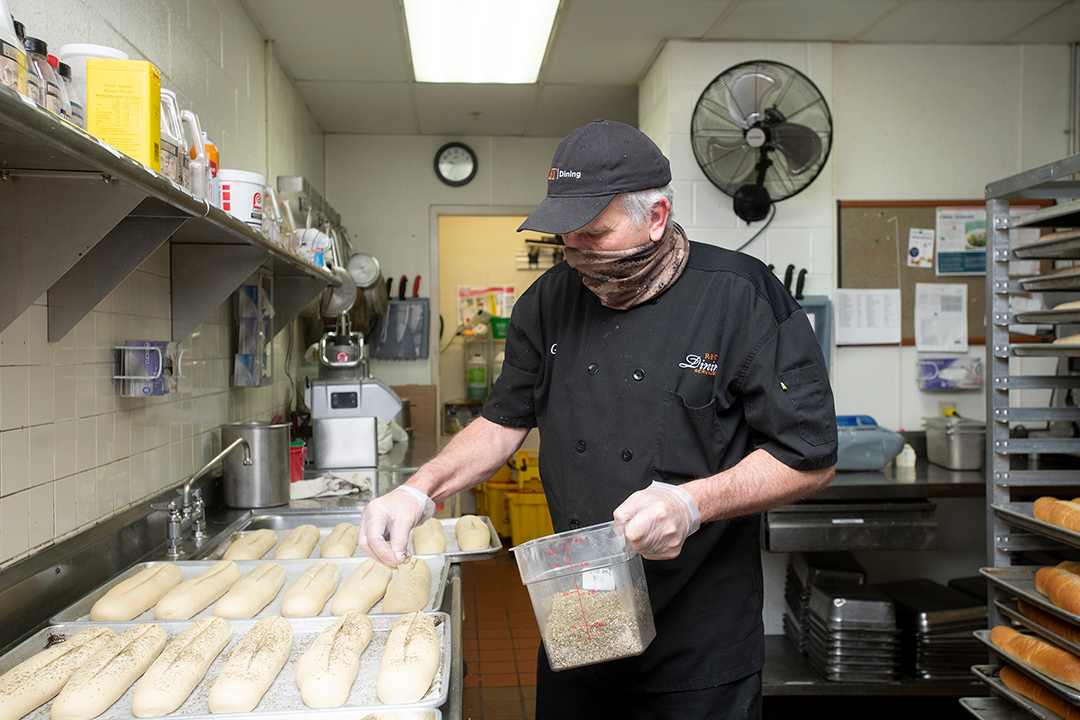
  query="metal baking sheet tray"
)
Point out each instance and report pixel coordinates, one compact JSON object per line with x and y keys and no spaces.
{"x":1020,"y":514}
{"x":79,"y":611}
{"x":1020,"y":582}
{"x":1011,"y":610}
{"x":994,"y":708}
{"x":453,"y":552}
{"x":1069,"y":693}
{"x":988,"y":674}
{"x":282,"y":700}
{"x":1044,"y":349}
{"x":1061,"y":281}
{"x":1063,"y":247}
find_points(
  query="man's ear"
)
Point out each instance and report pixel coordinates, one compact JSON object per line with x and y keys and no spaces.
{"x":658,"y":218}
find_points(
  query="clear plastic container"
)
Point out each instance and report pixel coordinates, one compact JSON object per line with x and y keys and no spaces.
{"x":61,"y":88}
{"x":78,"y":114}
{"x":76,"y":55}
{"x":12,"y":52}
{"x":173,"y":151}
{"x":589,"y":595}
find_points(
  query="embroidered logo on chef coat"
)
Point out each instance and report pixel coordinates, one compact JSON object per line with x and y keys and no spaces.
{"x":702,"y":364}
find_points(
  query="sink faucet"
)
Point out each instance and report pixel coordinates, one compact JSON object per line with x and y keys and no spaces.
{"x":192,"y":506}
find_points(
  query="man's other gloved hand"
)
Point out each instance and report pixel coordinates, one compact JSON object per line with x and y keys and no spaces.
{"x":391,"y":517}
{"x":658,"y":520}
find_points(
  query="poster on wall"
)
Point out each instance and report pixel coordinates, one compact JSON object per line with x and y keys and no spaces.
{"x":961,"y":241}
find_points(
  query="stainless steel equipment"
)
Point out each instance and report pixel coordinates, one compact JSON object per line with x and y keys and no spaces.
{"x":344,"y":415}
{"x":955,"y":442}
{"x":264,"y":481}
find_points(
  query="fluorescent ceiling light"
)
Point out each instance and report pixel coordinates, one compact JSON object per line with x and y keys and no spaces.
{"x":478,"y":41}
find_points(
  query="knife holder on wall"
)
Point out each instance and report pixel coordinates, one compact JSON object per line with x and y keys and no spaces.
{"x":402,"y":333}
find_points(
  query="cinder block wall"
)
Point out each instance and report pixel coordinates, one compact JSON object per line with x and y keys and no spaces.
{"x":72,"y":452}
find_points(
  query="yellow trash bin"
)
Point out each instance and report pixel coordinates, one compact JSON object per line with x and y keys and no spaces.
{"x":529,"y":517}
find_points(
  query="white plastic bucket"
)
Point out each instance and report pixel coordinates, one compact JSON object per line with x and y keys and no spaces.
{"x":242,"y":195}
{"x":76,"y":55}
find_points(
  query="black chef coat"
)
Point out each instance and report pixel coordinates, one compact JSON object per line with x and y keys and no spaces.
{"x":678,"y":388}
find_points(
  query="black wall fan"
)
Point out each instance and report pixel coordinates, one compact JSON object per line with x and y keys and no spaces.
{"x":761,"y":132}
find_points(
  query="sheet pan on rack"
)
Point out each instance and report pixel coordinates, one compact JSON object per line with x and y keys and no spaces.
{"x":1069,"y":693}
{"x":988,"y":674}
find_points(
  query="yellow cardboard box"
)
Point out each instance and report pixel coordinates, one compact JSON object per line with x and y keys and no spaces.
{"x":123,"y":99}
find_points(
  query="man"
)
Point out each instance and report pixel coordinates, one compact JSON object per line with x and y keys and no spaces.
{"x":679,"y":388}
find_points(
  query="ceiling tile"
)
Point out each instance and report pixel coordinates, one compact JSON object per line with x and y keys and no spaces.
{"x":347,"y":107}
{"x":356,"y":40}
{"x":609,"y":42}
{"x":1060,"y":26}
{"x":957,"y":21}
{"x":481,"y":109}
{"x":565,"y":107}
{"x":836,"y":20}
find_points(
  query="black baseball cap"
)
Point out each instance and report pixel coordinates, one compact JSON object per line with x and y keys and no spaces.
{"x":591,"y":166}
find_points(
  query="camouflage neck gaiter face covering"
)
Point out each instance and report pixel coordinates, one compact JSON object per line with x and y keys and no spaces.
{"x":625,"y":278}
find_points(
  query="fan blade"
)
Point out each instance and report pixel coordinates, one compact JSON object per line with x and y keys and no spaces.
{"x":730,"y":165}
{"x":800,"y":145}
{"x":748,"y":95}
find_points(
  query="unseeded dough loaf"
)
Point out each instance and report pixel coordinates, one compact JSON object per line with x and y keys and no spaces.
{"x":1061,"y":584}
{"x":251,"y":546}
{"x":409,"y":587}
{"x":1032,"y":690}
{"x":1071,"y":305}
{"x":180,"y":667}
{"x":132,"y":597}
{"x":409,"y":661}
{"x":341,"y":542}
{"x":252,"y":593}
{"x":1063,"y":513}
{"x":38,"y":679}
{"x":309,"y":592}
{"x":1068,"y":340}
{"x":298,"y":544}
{"x":101,"y":680}
{"x":1048,"y":659}
{"x":428,"y":538}
{"x":364,"y":587}
{"x":472,"y":533}
{"x":252,"y":667}
{"x":189,"y":597}
{"x":325,"y":673}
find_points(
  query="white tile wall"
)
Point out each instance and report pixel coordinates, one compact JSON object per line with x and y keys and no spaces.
{"x":72,"y":452}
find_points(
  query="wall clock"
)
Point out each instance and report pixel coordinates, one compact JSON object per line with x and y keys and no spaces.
{"x":455,"y":164}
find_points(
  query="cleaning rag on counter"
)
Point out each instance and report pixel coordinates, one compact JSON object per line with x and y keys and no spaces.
{"x":331,"y":483}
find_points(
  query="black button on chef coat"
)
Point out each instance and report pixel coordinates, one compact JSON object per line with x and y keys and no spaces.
{"x":732,"y":365}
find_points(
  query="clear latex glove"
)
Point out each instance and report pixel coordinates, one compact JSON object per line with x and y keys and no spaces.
{"x":658,"y":520}
{"x":391,"y":518}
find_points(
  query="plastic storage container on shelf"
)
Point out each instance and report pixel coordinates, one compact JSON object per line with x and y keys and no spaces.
{"x":76,"y":55}
{"x":529,"y":516}
{"x":589,"y":595}
{"x":242,"y":195}
{"x":12,"y":53}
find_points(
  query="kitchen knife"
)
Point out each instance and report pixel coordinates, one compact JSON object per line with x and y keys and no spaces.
{"x":401,"y":287}
{"x":416,"y":287}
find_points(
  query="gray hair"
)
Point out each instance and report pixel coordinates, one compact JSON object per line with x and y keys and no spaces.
{"x":639,"y":204}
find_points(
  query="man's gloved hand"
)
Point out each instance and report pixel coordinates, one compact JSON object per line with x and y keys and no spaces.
{"x":658,"y":520}
{"x":391,"y":517}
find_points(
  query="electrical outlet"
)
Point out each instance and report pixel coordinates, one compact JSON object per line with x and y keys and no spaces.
{"x":944,"y":407}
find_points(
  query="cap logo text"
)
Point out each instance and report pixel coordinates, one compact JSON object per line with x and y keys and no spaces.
{"x":556,"y":174}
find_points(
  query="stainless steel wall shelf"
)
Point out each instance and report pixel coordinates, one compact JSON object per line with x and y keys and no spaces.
{"x":78,"y":217}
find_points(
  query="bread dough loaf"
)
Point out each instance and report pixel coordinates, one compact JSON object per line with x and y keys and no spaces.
{"x":1063,"y":513}
{"x":180,"y":667}
{"x":101,"y":680}
{"x":410,"y":660}
{"x":409,"y":587}
{"x":252,"y":593}
{"x":1072,"y":305}
{"x":472,"y":533}
{"x":1061,"y":584}
{"x":363,"y":588}
{"x":298,"y":544}
{"x":38,"y":679}
{"x":189,"y":597}
{"x":309,"y":592}
{"x":325,"y":673}
{"x":251,"y":546}
{"x":341,"y":542}
{"x":129,"y":599}
{"x":1061,"y":628}
{"x":1048,"y":659}
{"x":1021,"y":683}
{"x":428,"y":538}
{"x":252,"y":667}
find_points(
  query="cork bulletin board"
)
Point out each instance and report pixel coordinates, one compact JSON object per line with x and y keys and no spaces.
{"x":872,"y":238}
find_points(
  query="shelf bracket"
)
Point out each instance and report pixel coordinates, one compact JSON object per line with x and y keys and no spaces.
{"x":51,"y":221}
{"x":105,"y":266}
{"x":204,"y":276}
{"x":292,"y":293}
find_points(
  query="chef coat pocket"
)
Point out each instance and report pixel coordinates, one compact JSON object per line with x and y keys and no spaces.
{"x":806,"y":392}
{"x":690,"y":442}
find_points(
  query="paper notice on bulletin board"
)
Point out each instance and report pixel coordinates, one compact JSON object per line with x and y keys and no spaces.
{"x":472,"y":300}
{"x":867,"y":317}
{"x":961,"y":240}
{"x":941,"y":317}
